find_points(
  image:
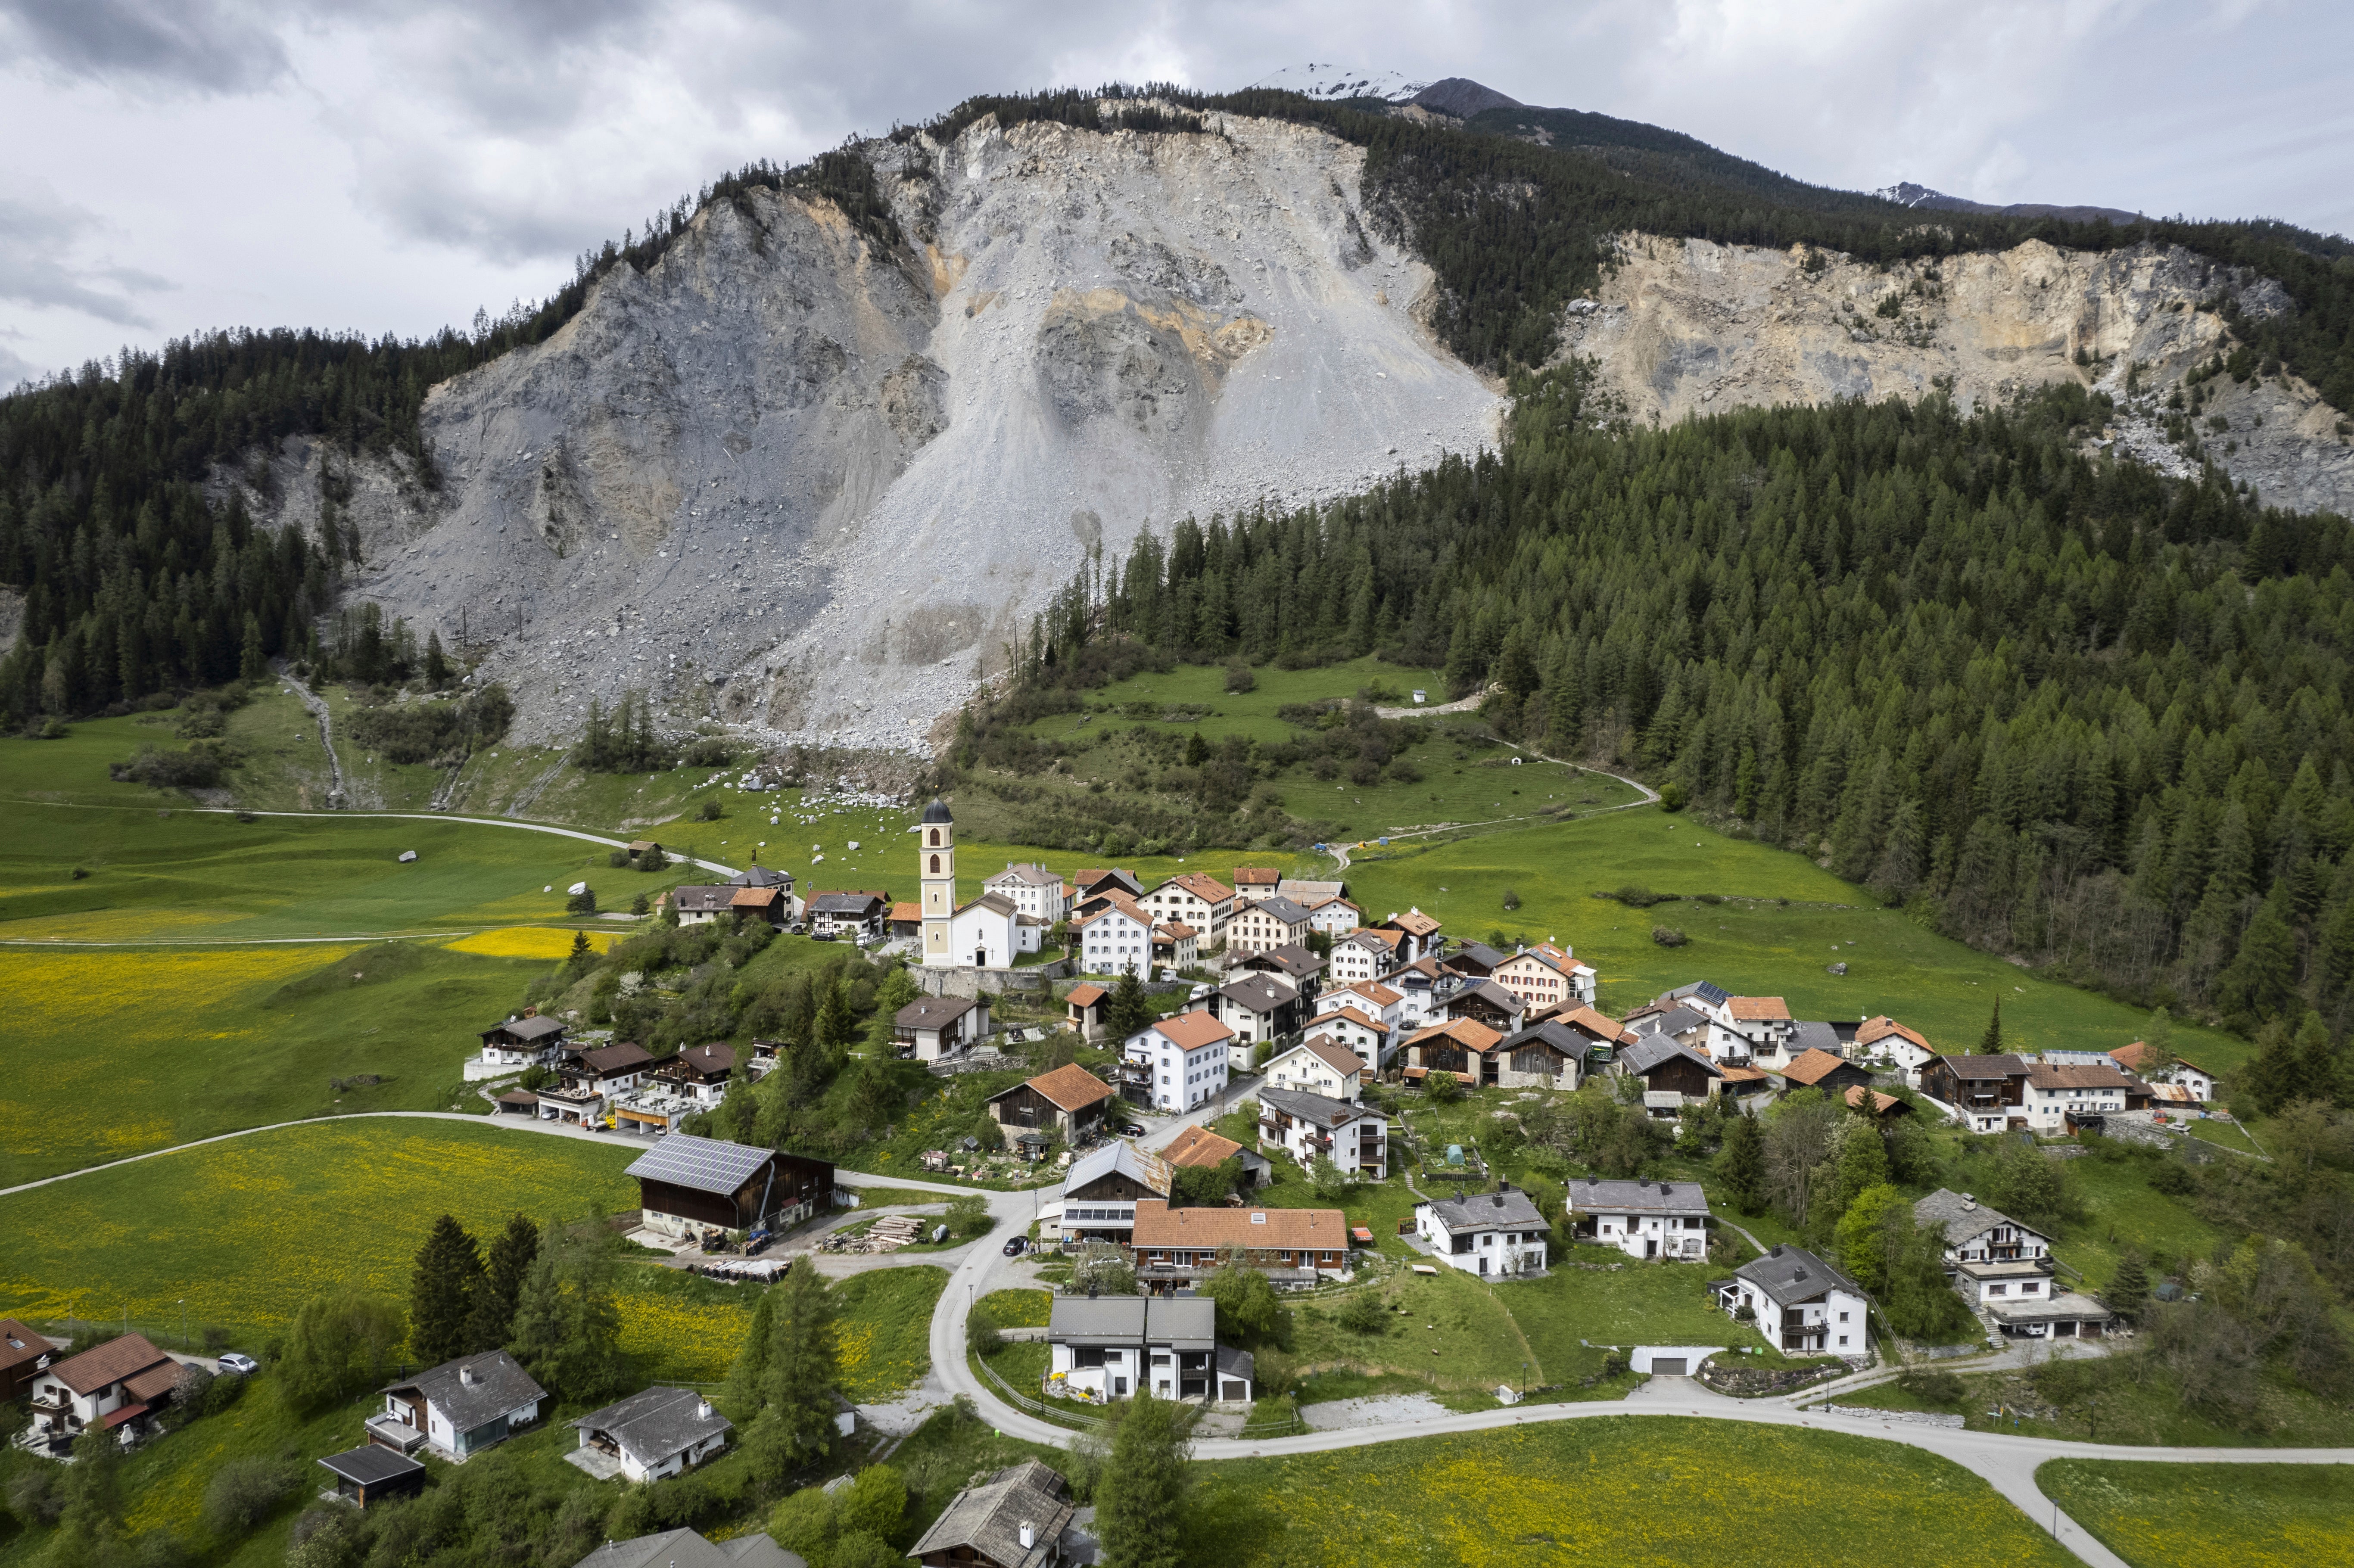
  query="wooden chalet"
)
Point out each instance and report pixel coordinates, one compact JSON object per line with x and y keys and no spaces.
{"x":1069,"y":1101}
{"x":688,"y":1185}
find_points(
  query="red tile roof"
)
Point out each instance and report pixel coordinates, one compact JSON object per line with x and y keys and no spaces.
{"x":1085,"y":995}
{"x":1812,"y":1066}
{"x":111,"y":1362}
{"x":1316,"y":1230}
{"x":1072,"y":1088}
{"x":1757,"y":1009}
{"x":1192,"y":1031}
{"x":1200,"y":1146}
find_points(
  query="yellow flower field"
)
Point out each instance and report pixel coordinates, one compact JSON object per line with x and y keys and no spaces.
{"x":2159,"y":1515}
{"x":527,"y":942}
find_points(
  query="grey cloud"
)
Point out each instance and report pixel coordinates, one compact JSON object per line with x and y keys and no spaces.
{"x":37,"y":236}
{"x":206,"y":44}
{"x":14,"y":369}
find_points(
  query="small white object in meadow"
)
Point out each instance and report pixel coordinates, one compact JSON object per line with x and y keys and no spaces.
{"x":854,"y":843}
{"x":577,"y":888}
{"x":549,"y":888}
{"x":815,"y":858}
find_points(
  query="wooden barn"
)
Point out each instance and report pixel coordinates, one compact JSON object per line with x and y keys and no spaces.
{"x":687,"y":1185}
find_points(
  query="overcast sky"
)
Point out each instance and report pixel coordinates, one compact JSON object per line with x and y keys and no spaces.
{"x":178,"y":165}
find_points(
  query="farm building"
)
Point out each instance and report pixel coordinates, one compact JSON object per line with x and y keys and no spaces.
{"x":1070,"y":1099}
{"x":687,"y":1185}
{"x":371,"y":1473}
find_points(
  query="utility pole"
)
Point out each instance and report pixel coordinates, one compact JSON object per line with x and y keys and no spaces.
{"x":184,"y":1323}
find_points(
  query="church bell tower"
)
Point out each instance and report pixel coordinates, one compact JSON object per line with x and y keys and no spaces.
{"x":936,"y":870}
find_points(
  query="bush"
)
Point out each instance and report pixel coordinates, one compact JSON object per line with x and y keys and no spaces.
{"x":1512,"y":898}
{"x":582,"y":902}
{"x":981,"y":1335}
{"x":1635,"y":896}
{"x":1671,"y":796}
{"x":1362,"y":1314}
{"x":709,"y":752}
{"x":1444,"y":1088}
{"x":711,"y":810}
{"x":1239,"y":677}
{"x":34,"y":1497}
{"x":243,"y":1492}
{"x":969,"y":1215}
{"x":873,"y":1506}
{"x":198,"y":768}
{"x":441,"y":733}
{"x":1668,"y":936}
{"x":222,"y":1393}
{"x":2173,"y":1178}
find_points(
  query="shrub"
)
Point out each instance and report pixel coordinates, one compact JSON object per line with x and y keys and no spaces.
{"x":711,"y":811}
{"x":709,"y":752}
{"x":1668,"y":936}
{"x":198,"y":768}
{"x":582,"y":902}
{"x":1671,"y":796}
{"x":2173,"y":1178}
{"x":34,"y":1497}
{"x":1239,"y":677}
{"x":1512,"y":898}
{"x":1362,"y":1314}
{"x":1635,"y":896}
{"x":1406,"y":772}
{"x":242,"y":1493}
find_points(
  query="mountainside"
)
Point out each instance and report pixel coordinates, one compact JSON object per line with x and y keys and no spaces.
{"x":785,"y":479}
{"x":1905,"y":193}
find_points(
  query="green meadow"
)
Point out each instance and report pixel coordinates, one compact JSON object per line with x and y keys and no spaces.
{"x":2210,"y":1516}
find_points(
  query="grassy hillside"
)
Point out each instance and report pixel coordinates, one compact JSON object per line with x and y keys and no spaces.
{"x":2208,"y":1516}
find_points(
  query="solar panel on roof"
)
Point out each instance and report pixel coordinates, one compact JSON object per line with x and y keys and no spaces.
{"x":705,"y":1164}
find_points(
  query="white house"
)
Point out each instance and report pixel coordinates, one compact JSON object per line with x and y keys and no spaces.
{"x":1032,"y":889}
{"x":1107,"y":1348}
{"x":1192,"y":899}
{"x":458,"y":1407}
{"x":1116,"y":938}
{"x":1346,"y":1026}
{"x":1977,"y":1233}
{"x":655,"y":1434}
{"x":1309,"y":1127}
{"x":2153,"y":1065}
{"x":858,"y":914}
{"x":1641,"y":1219}
{"x":1257,"y":1007}
{"x":1803,"y":1306}
{"x":113,"y":1385}
{"x":1753,"y":1031}
{"x":1882,"y":1039}
{"x":1335,"y":915}
{"x":1269,"y":923}
{"x":934,"y":1028}
{"x":1496,"y":1232}
{"x":1546,"y":976}
{"x":1318,"y":1066}
{"x":1361,"y":955}
{"x":2056,"y":1094}
{"x":1372,"y":998}
{"x":534,"y":1041}
{"x":1184,"y":1061}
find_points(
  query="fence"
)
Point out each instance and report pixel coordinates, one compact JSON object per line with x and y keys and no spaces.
{"x":1037,"y":1406}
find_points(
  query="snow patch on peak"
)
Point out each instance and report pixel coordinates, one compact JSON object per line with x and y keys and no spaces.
{"x":1328,"y":82}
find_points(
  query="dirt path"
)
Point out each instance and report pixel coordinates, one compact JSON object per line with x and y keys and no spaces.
{"x":317,"y":705}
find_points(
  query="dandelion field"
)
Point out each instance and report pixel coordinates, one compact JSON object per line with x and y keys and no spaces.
{"x":2210,"y":1516}
{"x":1615,"y":1490}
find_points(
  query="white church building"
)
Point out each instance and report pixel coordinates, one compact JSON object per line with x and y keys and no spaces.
{"x":988,"y":933}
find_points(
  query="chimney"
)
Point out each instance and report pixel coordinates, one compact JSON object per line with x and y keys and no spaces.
{"x":703,"y":1410}
{"x":466,"y":1374}
{"x":1029,"y":1535}
{"x":1968,"y":1202}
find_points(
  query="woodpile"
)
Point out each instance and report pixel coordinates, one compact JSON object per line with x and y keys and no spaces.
{"x":888,"y":1233}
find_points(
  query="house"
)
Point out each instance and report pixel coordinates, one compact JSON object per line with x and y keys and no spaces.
{"x":698,"y":1074}
{"x":904,"y":922}
{"x":587,"y":1078}
{"x":1304,"y":890}
{"x":1087,"y":884}
{"x":1548,"y":1055}
{"x":1362,"y":955}
{"x":1673,"y":1022}
{"x":1473,"y":960}
{"x":1985,"y":1093}
{"x":1334,"y":916}
{"x":1735,"y":1082}
{"x":1882,"y":1039}
{"x":1070,"y":1100}
{"x":1254,"y":1009}
{"x":1755,"y":1032}
{"x":1641,"y":1219}
{"x":1176,"y":946}
{"x":934,"y":1028}
{"x":2154,"y":1066}
{"x":772,"y":905}
{"x":1485,"y":1002}
{"x":1977,"y":1234}
{"x":648,"y":1435}
{"x":1815,"y":1068}
{"x":1417,"y":935}
{"x":1193,"y":898}
{"x":1673,"y":1075}
{"x":1318,"y":1065}
{"x":1200,"y":1146}
{"x":458,"y":1408}
{"x":116,"y":1385}
{"x":1253,"y":883}
{"x":1274,"y":922}
{"x":1114,"y":939}
{"x":1545,"y":976}
{"x":1085,"y":1003}
{"x":685,"y":1549}
{"x":1108,"y":1347}
{"x":372,"y":1473}
{"x":1375,"y":1001}
{"x":1418,"y":985}
{"x":1017,"y":1519}
{"x":530,"y":1041}
{"x":1497,"y":1233}
{"x":1103,"y":1187}
{"x":858,"y":916}
{"x":1295,"y":964}
{"x":700,"y":905}
{"x":1293,"y":1247}
{"x":23,"y":1353}
{"x":1309,"y":1127}
{"x":2004,"y":1270}
{"x":1032,"y":889}
{"x":637,"y":847}
{"x":689,"y":1185}
{"x":1802,"y":1305}
{"x":2067,"y":1098}
{"x":1351,"y":1031}
{"x":1604,"y":1036}
{"x":1457,"y":1046}
{"x":1178,"y":1063}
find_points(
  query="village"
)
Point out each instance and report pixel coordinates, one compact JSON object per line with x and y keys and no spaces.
{"x":1266,"y":1104}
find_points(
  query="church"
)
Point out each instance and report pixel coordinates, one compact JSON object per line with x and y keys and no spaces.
{"x":984,"y":934}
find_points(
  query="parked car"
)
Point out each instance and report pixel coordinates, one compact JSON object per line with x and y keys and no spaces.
{"x":1016,"y":1246}
{"x":1131,"y":1129}
{"x":240,"y":1362}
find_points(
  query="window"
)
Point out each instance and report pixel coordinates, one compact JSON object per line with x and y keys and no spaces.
{"x":1842,"y":1318}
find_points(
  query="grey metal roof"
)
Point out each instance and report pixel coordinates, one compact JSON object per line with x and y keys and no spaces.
{"x":1791,"y":1274}
{"x":762,"y":876}
{"x":1509,"y":1211}
{"x":500,"y":1385}
{"x":1657,"y":1049}
{"x":1553,"y":1032}
{"x":988,"y":1519}
{"x":1283,"y":909}
{"x":1122,"y":1156}
{"x":844,"y":904}
{"x":1233,"y":1363}
{"x":537,"y":1028}
{"x":1260,"y":992}
{"x":1962,"y":1215}
{"x":653,"y":1425}
{"x":1489,"y":991}
{"x":1593,"y":1195}
{"x":1713,"y":995}
{"x":696,"y":898}
{"x":704,"y":1164}
{"x":1677,"y":1020}
{"x":1480,"y":953}
{"x":1320,"y":1109}
{"x":685,"y":1549}
{"x":1187,"y":1322}
{"x":371,"y":1463}
{"x":1984,"y":1067}
{"x":1809,"y":1035}
{"x":933,"y":1011}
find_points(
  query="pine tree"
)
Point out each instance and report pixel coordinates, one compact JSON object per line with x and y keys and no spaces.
{"x":2128,"y":1287}
{"x":436,"y":663}
{"x":441,"y":1293}
{"x":510,"y":1261}
{"x":836,"y":1025}
{"x":1741,"y":1164}
{"x":1128,"y":1009}
{"x":1990,"y":1043}
{"x":568,"y":1331}
{"x":795,"y":1379}
{"x":1141,"y":1500}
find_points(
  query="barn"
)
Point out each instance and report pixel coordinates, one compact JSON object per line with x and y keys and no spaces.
{"x":688,"y":1185}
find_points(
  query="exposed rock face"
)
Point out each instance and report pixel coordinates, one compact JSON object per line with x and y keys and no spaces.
{"x":818,"y":489}
{"x":1688,"y":327}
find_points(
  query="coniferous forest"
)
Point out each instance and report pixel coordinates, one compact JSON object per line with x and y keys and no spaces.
{"x":2060,"y":706}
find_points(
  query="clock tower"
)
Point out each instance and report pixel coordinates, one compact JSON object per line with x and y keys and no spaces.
{"x":936,"y":870}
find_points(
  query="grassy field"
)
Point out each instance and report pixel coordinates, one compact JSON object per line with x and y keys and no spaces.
{"x":2115,"y":1409}
{"x":887,"y":1328}
{"x":1018,"y":1309}
{"x":1610,"y":1491}
{"x":1750,"y":943}
{"x":2210,"y":1516}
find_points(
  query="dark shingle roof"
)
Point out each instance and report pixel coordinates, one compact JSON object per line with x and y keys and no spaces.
{"x":762,"y":876}
{"x":695,"y":899}
{"x":1807,"y":1034}
{"x":988,"y":1519}
{"x":499,"y":1385}
{"x":1677,"y":1020}
{"x":534,"y":1028}
{"x":1657,"y":1050}
{"x":1317,"y":1110}
{"x":1509,"y":1211}
{"x":1962,"y":1215}
{"x":1186,"y":1320}
{"x":371,"y":1464}
{"x":2002,"y":1066}
{"x":933,"y":1011}
{"x":1790,"y":1273}
{"x":858,"y":904}
{"x":1593,"y":1195}
{"x":1282,"y":908}
{"x":653,"y":1425}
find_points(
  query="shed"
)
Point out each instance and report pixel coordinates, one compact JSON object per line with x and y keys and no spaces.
{"x":370,"y":1473}
{"x":686,"y":1184}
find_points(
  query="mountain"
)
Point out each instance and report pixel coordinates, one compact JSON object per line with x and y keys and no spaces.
{"x":1462,"y":98}
{"x":1905,"y":193}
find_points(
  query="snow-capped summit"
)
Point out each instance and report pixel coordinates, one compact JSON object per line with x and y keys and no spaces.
{"x":1329,"y":81}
